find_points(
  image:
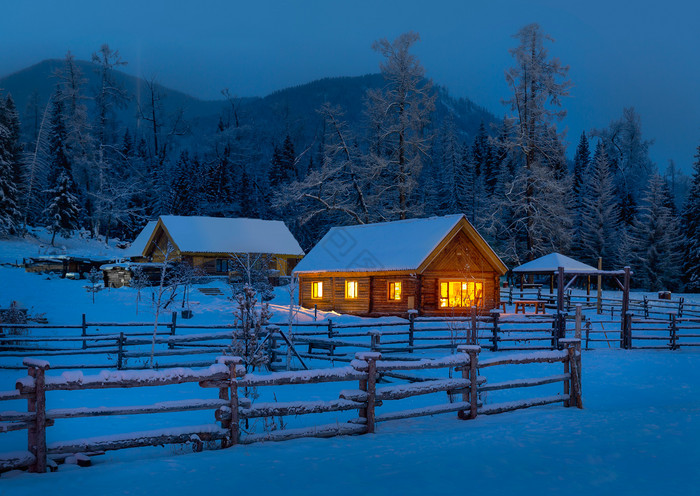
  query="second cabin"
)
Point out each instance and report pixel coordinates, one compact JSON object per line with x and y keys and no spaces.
{"x":435,"y":266}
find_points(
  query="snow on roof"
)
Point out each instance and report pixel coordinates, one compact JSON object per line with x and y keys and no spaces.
{"x":399,"y":245}
{"x":225,"y":235}
{"x":552,"y":262}
{"x":139,"y":244}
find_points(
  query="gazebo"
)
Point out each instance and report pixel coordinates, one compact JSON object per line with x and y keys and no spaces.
{"x":561,"y":266}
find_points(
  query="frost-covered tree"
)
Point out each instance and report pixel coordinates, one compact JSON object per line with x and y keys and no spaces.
{"x":110,"y":95}
{"x":9,"y":188}
{"x":63,"y":209}
{"x":600,"y":222}
{"x":691,"y":231}
{"x":186,"y":186}
{"x":538,"y":83}
{"x":337,"y":188}
{"x":253,"y":318}
{"x":656,"y":240}
{"x":582,"y":160}
{"x":628,"y":153}
{"x":283,"y":164}
{"x":398,"y":116}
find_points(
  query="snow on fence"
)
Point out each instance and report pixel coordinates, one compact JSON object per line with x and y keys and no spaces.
{"x":231,"y":408}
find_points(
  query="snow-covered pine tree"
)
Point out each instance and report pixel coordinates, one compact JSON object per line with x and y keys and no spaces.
{"x":16,"y":148}
{"x":63,"y":209}
{"x":9,"y":195}
{"x":599,"y":214}
{"x":484,"y":162}
{"x":582,"y":160}
{"x":691,"y":231}
{"x":283,"y":164}
{"x":656,"y":240}
{"x":452,"y":178}
{"x":186,"y":187}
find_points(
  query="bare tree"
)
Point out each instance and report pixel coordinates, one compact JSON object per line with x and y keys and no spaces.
{"x":399,"y":114}
{"x":538,"y":83}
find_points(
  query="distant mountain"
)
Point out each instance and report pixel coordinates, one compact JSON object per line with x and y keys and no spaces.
{"x":291,"y":110}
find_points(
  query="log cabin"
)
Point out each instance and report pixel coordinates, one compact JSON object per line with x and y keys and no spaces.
{"x":435,"y":266}
{"x":211,"y":244}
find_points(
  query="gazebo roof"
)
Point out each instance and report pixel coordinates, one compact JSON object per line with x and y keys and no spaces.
{"x":549,"y":264}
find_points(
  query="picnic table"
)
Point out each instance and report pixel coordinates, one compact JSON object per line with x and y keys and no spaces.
{"x":521,"y":304}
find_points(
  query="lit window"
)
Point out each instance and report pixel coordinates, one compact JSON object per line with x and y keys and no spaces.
{"x":461,"y":294}
{"x":316,"y":290}
{"x":351,"y":289}
{"x":395,"y":291}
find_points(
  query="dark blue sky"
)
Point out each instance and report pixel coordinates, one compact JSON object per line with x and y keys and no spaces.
{"x":635,"y":53}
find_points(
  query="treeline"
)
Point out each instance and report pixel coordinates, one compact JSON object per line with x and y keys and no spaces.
{"x":408,"y":154}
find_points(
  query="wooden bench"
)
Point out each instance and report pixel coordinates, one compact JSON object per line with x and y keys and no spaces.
{"x":322,"y":345}
{"x":521,"y":304}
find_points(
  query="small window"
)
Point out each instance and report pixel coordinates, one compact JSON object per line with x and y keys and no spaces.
{"x":351,"y":289}
{"x":316,"y":290}
{"x":395,"y":291}
{"x":222,"y":265}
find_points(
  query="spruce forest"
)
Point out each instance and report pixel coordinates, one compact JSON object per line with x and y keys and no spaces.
{"x":86,"y":148}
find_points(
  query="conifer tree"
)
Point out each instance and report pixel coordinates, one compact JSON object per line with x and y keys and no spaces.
{"x":63,"y":209}
{"x":9,"y":195}
{"x":582,"y":160}
{"x":599,"y":212}
{"x":656,"y":240}
{"x":691,"y":231}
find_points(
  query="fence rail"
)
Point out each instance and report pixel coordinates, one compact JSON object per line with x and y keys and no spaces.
{"x":230,"y":378}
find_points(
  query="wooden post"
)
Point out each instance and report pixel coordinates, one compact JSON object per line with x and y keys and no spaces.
{"x":573,"y":360}
{"x":567,"y":382}
{"x":234,"y":422}
{"x":599,"y":289}
{"x":588,"y":332}
{"x":411,"y":329}
{"x":330,"y":328}
{"x":626,"y":326}
{"x":315,"y":311}
{"x":120,"y":351}
{"x":588,"y":289}
{"x":369,"y":385}
{"x":494,"y":339}
{"x":84,"y":331}
{"x":471,"y":374}
{"x":375,"y":337}
{"x":674,"y":331}
{"x":579,"y":317}
{"x":36,"y":435}
{"x":560,"y":323}
{"x":645,"y":302}
{"x":474,"y":330}
{"x":551,"y":284}
{"x":173,"y":327}
{"x":680,"y":307}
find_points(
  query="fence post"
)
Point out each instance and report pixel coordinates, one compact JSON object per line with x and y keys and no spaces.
{"x":680,"y":307}
{"x":375,"y":337}
{"x":474,"y":330}
{"x":510,"y":295}
{"x":233,"y":363}
{"x":646,"y":307}
{"x":627,"y":330}
{"x":573,"y":360}
{"x":36,"y":434}
{"x":494,"y":339}
{"x":84,"y":331}
{"x":411,"y":329}
{"x":471,"y":374}
{"x":330,"y":328}
{"x":315,"y":311}
{"x":674,"y":330}
{"x":588,"y":332}
{"x":173,"y":327}
{"x":120,"y":351}
{"x":369,"y":386}
{"x":579,"y":318}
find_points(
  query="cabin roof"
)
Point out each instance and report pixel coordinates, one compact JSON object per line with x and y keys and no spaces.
{"x":405,"y":245}
{"x":139,"y":244}
{"x":193,"y":234}
{"x":549,"y":264}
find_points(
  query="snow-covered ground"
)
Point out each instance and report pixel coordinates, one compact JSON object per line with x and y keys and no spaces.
{"x":638,"y":433}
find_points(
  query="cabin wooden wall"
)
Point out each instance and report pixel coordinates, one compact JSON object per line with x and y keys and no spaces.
{"x":459,"y":260}
{"x":381,"y":305}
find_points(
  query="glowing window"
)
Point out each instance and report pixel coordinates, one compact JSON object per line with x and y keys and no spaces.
{"x":351,"y":289}
{"x":395,"y":291}
{"x":461,"y":294}
{"x":316,"y":290}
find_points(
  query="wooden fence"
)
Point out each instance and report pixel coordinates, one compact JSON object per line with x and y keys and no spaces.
{"x":231,"y":408}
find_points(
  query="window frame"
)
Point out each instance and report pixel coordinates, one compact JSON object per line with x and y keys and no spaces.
{"x":350,"y":284}
{"x":315,"y":287}
{"x":478,"y":293}
{"x":391,"y":287}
